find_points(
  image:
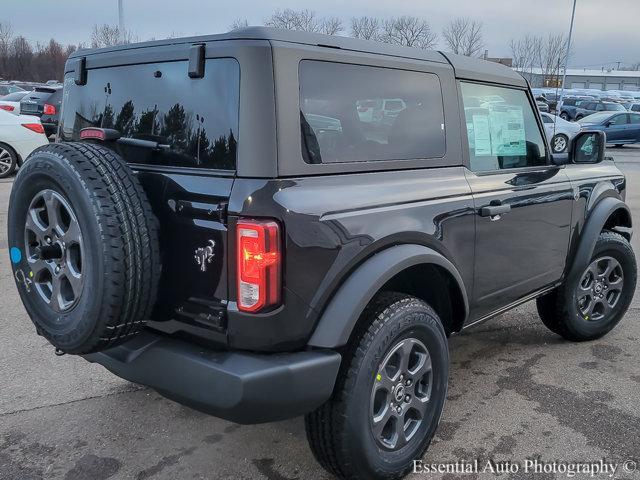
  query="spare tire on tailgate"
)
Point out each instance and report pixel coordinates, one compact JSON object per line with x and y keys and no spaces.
{"x":84,"y":246}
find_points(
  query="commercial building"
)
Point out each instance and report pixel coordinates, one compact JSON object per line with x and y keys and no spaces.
{"x":584,"y":78}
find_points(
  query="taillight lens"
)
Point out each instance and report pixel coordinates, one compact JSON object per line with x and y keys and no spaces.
{"x":34,"y":127}
{"x":259,"y":264}
{"x":8,"y":108}
{"x":49,"y":109}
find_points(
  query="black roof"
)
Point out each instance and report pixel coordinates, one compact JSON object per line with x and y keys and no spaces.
{"x":465,"y":67}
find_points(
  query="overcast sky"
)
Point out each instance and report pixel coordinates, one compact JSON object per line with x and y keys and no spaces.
{"x":605,"y":31}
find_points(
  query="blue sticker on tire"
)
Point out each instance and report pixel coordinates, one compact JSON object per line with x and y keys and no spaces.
{"x":16,"y":255}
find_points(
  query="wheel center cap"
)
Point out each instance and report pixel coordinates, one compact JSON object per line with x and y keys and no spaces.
{"x":597,"y":288}
{"x":399,"y":392}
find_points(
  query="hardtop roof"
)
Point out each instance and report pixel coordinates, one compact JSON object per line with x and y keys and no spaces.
{"x":465,"y":67}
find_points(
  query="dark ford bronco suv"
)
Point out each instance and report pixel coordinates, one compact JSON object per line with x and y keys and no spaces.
{"x":265,"y":224}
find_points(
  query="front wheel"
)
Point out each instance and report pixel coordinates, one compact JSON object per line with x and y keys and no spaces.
{"x":559,"y":143}
{"x":591,"y":305}
{"x":564,"y":116}
{"x":389,"y":394}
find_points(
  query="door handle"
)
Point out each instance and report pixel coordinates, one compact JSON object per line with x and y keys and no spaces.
{"x":494,"y":210}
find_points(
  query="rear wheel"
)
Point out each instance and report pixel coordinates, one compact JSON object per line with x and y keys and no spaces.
{"x":591,"y":305}
{"x":84,"y":247}
{"x":8,"y":160}
{"x":389,"y":395}
{"x":559,"y":143}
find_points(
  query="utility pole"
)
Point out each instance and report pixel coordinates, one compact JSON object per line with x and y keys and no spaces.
{"x":566,"y":61}
{"x":121,"y":20}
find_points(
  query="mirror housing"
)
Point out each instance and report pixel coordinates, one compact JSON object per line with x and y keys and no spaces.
{"x":560,"y":159}
{"x":588,"y":146}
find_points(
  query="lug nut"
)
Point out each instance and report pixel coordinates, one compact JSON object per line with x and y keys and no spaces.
{"x":407,"y":398}
{"x":401,"y":377}
{"x":48,"y":239}
{"x":408,"y":382}
{"x":57,"y":269}
{"x":399,"y":410}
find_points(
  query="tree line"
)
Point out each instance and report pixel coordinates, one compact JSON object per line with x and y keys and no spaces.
{"x":19,"y":59}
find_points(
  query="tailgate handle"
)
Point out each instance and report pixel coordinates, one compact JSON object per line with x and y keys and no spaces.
{"x":210,"y":211}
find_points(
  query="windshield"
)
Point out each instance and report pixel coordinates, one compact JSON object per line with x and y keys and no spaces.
{"x":596,"y":117}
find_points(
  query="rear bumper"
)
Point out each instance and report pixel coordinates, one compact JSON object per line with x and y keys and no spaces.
{"x":237,"y":386}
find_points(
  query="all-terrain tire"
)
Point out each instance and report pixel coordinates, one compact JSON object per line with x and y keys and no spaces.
{"x":559,"y":310}
{"x":339,"y":432}
{"x":112,"y":256}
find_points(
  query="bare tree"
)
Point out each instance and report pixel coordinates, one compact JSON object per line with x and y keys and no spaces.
{"x":551,"y":54}
{"x":6,"y":36}
{"x":305,"y":20}
{"x":108,"y":35}
{"x":21,"y":57}
{"x":331,"y":26}
{"x":365,"y":27}
{"x":409,"y":32}
{"x":289,"y":19}
{"x":239,"y":23}
{"x":525,"y":52}
{"x":463,"y":36}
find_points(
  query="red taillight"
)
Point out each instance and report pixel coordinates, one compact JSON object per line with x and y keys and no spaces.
{"x":259,"y":264}
{"x":92,"y":133}
{"x":49,"y":109}
{"x":8,"y":108}
{"x":34,"y":127}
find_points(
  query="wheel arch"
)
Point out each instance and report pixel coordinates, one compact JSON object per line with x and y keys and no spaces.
{"x":610,"y":213}
{"x":396,"y":268}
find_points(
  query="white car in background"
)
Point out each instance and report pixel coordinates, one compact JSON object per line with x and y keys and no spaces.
{"x":19,"y":136}
{"x":11,"y":103}
{"x":561,"y":134}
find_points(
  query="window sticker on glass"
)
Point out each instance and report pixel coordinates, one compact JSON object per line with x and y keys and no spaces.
{"x":481,"y":135}
{"x":507,"y":130}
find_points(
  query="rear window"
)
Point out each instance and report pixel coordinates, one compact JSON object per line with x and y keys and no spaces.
{"x":614,"y":107}
{"x":193,"y":121}
{"x":356,"y":113}
{"x":14,"y":97}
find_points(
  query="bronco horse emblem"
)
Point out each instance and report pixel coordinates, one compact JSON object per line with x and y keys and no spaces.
{"x":204,"y":255}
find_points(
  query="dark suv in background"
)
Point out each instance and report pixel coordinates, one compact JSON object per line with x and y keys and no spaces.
{"x":265,"y":224}
{"x":583,"y":108}
{"x":44,"y":102}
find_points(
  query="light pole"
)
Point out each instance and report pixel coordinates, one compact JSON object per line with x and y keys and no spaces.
{"x":121,"y":20}
{"x":566,"y":61}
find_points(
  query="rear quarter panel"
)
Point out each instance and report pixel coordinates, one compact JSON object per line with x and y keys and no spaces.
{"x":333,"y":223}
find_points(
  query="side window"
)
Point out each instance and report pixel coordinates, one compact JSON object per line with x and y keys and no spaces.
{"x":369,"y":114}
{"x":636,"y":107}
{"x":502,"y":131}
{"x":546,"y":119}
{"x":619,"y":119}
{"x":196,"y":119}
{"x":635,"y":118}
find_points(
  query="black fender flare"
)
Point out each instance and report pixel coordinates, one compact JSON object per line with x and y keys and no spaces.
{"x":590,"y":232}
{"x":340,"y":317}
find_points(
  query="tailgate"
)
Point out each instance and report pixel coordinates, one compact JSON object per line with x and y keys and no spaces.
{"x":192,"y":211}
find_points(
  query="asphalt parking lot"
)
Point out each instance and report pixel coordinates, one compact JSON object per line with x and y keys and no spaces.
{"x":516,"y":391}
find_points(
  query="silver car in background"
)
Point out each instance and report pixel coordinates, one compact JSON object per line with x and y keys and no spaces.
{"x":561,"y":133}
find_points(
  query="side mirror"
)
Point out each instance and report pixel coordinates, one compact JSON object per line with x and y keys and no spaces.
{"x":588,"y":147}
